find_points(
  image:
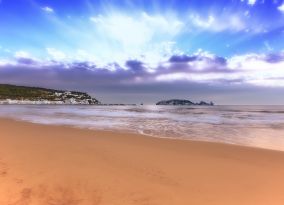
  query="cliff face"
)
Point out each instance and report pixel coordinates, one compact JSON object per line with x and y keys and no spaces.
{"x":182,"y":102}
{"x":11,"y":94}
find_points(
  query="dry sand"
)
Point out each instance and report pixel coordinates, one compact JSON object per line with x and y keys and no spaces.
{"x":55,"y":165}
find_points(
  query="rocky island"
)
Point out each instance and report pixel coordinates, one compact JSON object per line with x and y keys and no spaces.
{"x":183,"y":102}
{"x":12,"y":94}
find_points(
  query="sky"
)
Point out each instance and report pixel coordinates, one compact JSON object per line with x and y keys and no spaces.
{"x":134,"y":51}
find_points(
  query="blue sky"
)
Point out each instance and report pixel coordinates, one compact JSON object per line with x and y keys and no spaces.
{"x":224,"y":28}
{"x":221,"y":46}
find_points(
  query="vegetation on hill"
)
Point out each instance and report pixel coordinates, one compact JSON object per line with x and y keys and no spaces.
{"x":13,"y":92}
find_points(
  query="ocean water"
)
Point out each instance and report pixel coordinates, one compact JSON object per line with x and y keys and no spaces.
{"x":257,"y":126}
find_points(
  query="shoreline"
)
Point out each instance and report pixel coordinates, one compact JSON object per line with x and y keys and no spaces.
{"x":254,"y":127}
{"x":52,"y":164}
{"x":127,"y":132}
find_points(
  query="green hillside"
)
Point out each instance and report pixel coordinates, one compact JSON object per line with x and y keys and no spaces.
{"x":22,"y":92}
{"x":14,"y":92}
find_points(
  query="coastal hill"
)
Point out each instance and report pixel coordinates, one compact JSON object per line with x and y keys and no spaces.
{"x":182,"y":102}
{"x":12,"y":94}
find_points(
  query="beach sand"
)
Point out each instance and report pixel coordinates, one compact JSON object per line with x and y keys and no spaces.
{"x":57,"y":165}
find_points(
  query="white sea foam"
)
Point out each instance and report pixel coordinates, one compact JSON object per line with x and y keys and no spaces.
{"x":259,"y":126}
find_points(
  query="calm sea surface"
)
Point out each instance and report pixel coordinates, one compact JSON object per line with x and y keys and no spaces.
{"x":257,"y":126}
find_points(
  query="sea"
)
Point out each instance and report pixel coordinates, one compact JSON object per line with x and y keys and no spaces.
{"x":254,"y":126}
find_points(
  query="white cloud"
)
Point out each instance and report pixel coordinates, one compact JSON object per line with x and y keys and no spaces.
{"x":82,"y":55}
{"x":133,"y":34}
{"x":22,"y":54}
{"x":47,"y":9}
{"x":117,"y":36}
{"x":216,"y":23}
{"x":251,"y":2}
{"x":233,"y":22}
{"x":254,"y":69}
{"x":56,"y":54}
{"x":4,"y":62}
{"x":281,"y":8}
{"x":97,"y":19}
{"x":203,"y":23}
{"x":124,"y":29}
{"x":194,"y":77}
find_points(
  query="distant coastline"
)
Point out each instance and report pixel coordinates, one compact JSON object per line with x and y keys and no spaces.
{"x":24,"y":95}
{"x":13,"y":94}
{"x":183,"y":102}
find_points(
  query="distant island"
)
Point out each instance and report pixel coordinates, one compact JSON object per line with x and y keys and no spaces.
{"x":12,"y":94}
{"x":182,"y":102}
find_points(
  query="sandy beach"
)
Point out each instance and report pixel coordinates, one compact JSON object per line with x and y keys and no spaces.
{"x":57,"y":165}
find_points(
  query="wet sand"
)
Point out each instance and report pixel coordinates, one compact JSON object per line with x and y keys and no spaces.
{"x":57,"y":165}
